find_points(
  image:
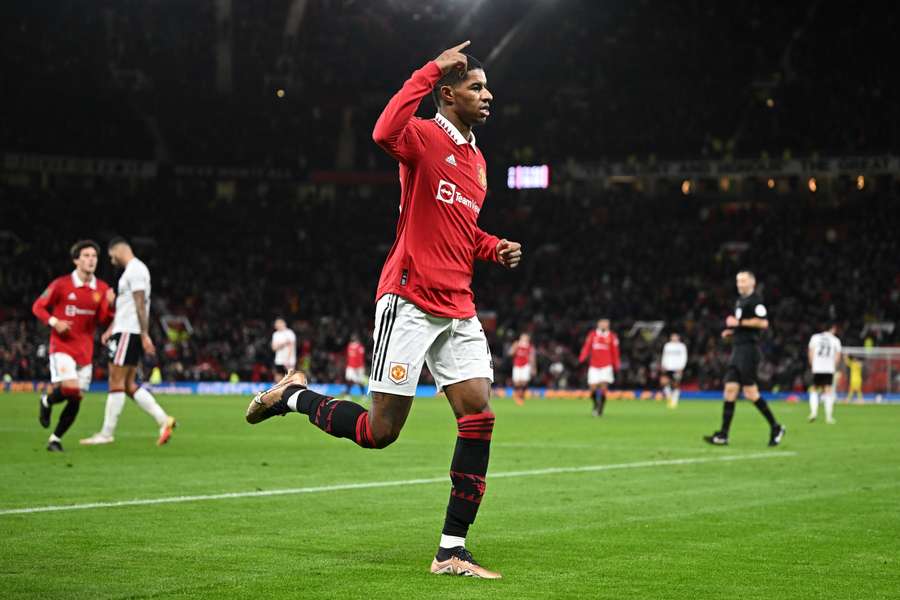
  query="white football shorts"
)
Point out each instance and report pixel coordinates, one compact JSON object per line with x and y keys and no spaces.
{"x":455,"y":350}
{"x":63,"y":368}
{"x":521,"y":375}
{"x":598,"y":375}
{"x":355,"y":375}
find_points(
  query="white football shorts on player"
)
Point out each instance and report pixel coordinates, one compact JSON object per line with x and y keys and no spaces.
{"x":598,"y":375}
{"x":63,"y":368}
{"x":406,"y":337}
{"x":521,"y":375}
{"x":355,"y":375}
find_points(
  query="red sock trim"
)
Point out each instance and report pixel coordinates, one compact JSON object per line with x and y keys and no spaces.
{"x":70,"y":393}
{"x":467,"y":480}
{"x":364,"y":431}
{"x":479,"y":426}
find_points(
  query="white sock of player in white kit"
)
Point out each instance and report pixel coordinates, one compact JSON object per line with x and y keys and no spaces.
{"x":828,"y":399}
{"x":676,"y":394}
{"x":149,"y":404}
{"x":115,"y":402}
{"x":813,"y":404}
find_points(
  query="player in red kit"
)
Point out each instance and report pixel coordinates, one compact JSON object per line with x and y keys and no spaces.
{"x":355,"y":371}
{"x":425,"y":309}
{"x":602,"y":347}
{"x":73,"y":305}
{"x":523,"y":366}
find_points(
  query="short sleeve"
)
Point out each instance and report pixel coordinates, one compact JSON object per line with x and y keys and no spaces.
{"x":138,"y":280}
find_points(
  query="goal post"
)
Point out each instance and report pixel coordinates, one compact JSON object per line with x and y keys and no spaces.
{"x":869,"y":375}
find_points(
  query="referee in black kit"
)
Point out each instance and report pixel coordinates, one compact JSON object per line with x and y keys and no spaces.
{"x":744,"y":327}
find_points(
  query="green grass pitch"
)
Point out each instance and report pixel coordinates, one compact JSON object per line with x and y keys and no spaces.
{"x":818,"y":517}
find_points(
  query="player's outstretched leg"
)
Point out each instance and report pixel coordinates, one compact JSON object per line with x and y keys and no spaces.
{"x":339,"y":418}
{"x":468,"y":469}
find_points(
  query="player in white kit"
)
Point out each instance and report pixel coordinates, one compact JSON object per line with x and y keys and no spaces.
{"x":674,"y":359}
{"x":824,"y":355}
{"x":284,"y":345}
{"x":127,"y":340}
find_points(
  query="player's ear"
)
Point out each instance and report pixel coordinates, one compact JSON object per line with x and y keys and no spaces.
{"x":446,"y":94}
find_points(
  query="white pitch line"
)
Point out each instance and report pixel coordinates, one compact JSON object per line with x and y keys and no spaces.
{"x":386,"y":484}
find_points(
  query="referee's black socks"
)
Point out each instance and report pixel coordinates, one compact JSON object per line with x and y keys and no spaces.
{"x":763,"y":407}
{"x":727,"y":416}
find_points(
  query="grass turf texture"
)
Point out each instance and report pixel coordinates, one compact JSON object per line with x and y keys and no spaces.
{"x":822,"y":523}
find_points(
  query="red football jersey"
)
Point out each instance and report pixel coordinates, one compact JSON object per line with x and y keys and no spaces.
{"x":443,"y":181}
{"x":83,"y":305}
{"x":523,"y":354}
{"x":356,"y":355}
{"x":603,"y":349}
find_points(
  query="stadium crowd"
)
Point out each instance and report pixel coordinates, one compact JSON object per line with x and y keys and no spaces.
{"x":316,"y":261}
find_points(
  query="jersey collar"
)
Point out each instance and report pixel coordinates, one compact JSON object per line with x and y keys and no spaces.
{"x":78,"y":283}
{"x":451,"y":130}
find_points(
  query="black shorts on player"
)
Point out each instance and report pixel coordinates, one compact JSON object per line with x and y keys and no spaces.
{"x":743,"y":365}
{"x":125,"y":349}
{"x":823,"y":379}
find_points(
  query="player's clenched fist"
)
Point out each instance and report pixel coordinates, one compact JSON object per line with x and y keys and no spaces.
{"x":453,"y":58}
{"x":509,"y":253}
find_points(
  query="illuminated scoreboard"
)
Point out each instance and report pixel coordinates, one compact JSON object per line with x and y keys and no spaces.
{"x":522,"y":177}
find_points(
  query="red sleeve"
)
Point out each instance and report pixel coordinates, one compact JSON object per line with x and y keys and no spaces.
{"x":486,"y":246}
{"x":615,"y":352}
{"x":586,"y":348}
{"x":393,"y":130}
{"x":44,"y":304}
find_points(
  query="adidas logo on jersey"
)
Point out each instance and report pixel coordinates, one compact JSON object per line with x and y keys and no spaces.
{"x":450,"y":160}
{"x":72,"y":296}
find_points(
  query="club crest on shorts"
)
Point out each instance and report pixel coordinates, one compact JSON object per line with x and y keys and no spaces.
{"x":398,"y":372}
{"x":482,"y":176}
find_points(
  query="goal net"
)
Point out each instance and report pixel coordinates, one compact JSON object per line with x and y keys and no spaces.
{"x":870,"y":375}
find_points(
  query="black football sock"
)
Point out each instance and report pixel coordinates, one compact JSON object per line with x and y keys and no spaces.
{"x":727,"y":416}
{"x":467,"y":471}
{"x":602,"y":402}
{"x":340,"y":418}
{"x":67,"y":416}
{"x":55,"y":396}
{"x":763,"y":407}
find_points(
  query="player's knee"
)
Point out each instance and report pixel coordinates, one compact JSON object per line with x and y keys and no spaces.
{"x":384,"y":437}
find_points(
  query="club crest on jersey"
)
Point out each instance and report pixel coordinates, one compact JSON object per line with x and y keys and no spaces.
{"x":482,"y":177}
{"x":450,"y":160}
{"x":398,"y":372}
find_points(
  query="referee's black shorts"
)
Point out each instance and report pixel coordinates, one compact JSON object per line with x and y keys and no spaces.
{"x":743,"y":365}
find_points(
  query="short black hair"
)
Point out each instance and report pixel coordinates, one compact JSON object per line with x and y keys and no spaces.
{"x":452,"y":77}
{"x":116,"y":240}
{"x":77,"y":247}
